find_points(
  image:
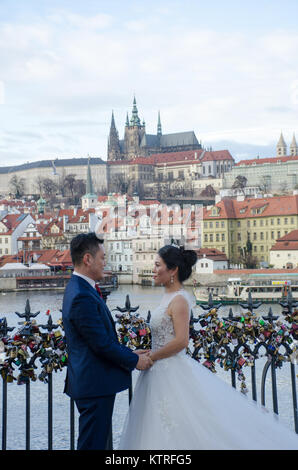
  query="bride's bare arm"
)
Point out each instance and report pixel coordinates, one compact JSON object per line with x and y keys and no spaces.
{"x":178,"y":310}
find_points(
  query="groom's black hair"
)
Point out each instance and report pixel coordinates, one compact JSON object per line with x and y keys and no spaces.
{"x":84,"y":243}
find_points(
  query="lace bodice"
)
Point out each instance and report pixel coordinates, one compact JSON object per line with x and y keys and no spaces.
{"x":161,"y":325}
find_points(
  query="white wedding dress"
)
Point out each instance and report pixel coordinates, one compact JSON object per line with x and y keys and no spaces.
{"x":179,"y":404}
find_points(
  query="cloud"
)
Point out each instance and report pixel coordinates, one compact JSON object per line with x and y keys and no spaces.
{"x":67,"y":70}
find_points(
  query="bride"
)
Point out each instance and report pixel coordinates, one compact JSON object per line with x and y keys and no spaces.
{"x":178,"y":403}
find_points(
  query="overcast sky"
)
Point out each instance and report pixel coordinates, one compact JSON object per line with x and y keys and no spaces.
{"x":227,"y":70}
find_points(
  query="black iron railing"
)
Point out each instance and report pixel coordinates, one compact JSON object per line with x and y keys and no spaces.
{"x":231,"y":342}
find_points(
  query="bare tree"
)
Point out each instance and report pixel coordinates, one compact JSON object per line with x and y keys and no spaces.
{"x":49,"y":187}
{"x":39,"y":184}
{"x":122,"y":183}
{"x":17,"y":186}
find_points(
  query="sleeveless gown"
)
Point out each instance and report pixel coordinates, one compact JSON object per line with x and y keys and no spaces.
{"x":179,"y":404}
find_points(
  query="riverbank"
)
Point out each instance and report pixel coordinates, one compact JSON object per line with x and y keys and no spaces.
{"x":220,"y":277}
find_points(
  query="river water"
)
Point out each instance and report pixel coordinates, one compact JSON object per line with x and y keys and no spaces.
{"x":146,"y":298}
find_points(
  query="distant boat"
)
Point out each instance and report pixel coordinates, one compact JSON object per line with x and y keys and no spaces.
{"x":265,"y":290}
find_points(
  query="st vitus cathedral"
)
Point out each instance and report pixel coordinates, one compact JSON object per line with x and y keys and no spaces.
{"x":137,"y":143}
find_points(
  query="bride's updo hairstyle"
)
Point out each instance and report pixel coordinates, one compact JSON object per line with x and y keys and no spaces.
{"x":176,"y":256}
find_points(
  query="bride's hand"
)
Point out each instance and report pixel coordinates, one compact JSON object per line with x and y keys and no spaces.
{"x":142,"y":351}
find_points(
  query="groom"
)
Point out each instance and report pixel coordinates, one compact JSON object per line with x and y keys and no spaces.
{"x":98,"y":365}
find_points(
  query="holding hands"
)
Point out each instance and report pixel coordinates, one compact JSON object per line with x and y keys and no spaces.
{"x":144,"y":362}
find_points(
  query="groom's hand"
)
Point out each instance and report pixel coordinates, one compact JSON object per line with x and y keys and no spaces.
{"x":144,"y":361}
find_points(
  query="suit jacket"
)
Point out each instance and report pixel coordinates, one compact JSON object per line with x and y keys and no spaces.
{"x":98,"y":364}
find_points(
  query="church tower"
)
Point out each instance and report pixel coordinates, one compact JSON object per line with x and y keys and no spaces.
{"x":114,"y":151}
{"x":293,"y":147}
{"x":159,"y":131}
{"x":134,"y":132}
{"x":281,"y":148}
{"x":90,"y":198}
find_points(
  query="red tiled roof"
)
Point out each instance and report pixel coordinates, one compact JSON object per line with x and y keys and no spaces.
{"x":291,"y":236}
{"x":216,"y":155}
{"x":285,"y":246}
{"x":261,"y":161}
{"x":287,"y":242}
{"x":272,"y":206}
{"x":11,"y":221}
{"x":211,"y":253}
{"x":190,"y":156}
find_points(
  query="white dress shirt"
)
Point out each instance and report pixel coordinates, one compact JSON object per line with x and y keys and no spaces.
{"x":88,"y":279}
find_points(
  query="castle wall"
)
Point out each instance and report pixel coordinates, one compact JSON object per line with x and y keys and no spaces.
{"x":31,"y":176}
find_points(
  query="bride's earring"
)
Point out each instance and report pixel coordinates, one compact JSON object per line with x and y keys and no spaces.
{"x":172,"y":279}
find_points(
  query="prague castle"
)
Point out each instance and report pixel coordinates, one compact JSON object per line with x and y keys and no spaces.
{"x":137,"y":143}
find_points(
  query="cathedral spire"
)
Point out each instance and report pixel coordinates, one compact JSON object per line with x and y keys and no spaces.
{"x":281,"y":147}
{"x":135,"y":120}
{"x":293,"y":146}
{"x":159,"y":132}
{"x":113,"y":141}
{"x":113,"y":126}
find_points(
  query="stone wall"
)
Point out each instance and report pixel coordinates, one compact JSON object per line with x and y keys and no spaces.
{"x":32,"y":173}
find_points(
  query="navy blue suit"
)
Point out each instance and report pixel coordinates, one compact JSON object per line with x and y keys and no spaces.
{"x":98,"y":365}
